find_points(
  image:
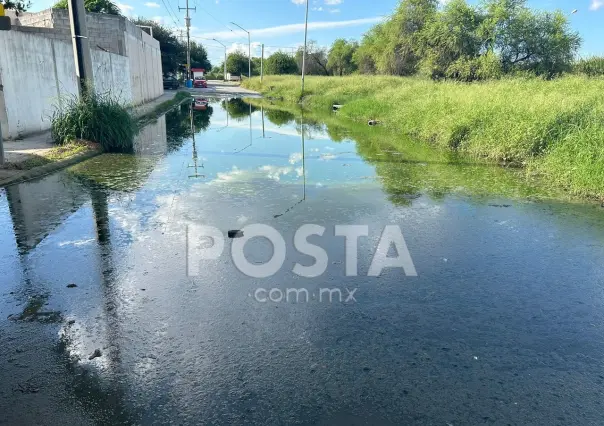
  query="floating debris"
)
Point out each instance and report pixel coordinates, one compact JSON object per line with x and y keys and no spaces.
{"x":72,"y":285}
{"x":235,"y":233}
{"x":97,"y":353}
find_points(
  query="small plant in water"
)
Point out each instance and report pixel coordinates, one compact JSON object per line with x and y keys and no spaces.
{"x":95,"y":117}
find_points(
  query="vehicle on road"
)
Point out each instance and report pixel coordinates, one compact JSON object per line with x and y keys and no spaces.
{"x":171,"y":83}
{"x":200,"y":82}
{"x":233,"y":77}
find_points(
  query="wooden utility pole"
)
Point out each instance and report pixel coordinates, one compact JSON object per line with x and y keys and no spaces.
{"x":188,"y":25}
{"x":81,"y":48}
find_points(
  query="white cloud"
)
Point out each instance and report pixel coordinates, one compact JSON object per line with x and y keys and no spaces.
{"x":596,"y":4}
{"x":334,"y":10}
{"x":299,"y":1}
{"x":290,"y":29}
{"x":152,"y":4}
{"x":126,"y":9}
{"x":317,"y":9}
{"x":333,"y":2}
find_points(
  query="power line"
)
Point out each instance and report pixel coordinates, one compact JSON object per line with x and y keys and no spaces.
{"x":170,"y":12}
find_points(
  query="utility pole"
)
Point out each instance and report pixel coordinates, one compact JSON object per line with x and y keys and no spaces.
{"x":188,"y":25}
{"x":225,"y":56}
{"x":304,"y":53}
{"x":262,"y":64}
{"x":81,"y":48}
{"x":249,"y":50}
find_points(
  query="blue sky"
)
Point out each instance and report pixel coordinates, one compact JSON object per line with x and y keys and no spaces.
{"x":279,"y":23}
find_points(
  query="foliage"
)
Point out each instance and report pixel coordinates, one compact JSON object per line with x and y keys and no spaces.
{"x":96,"y":118}
{"x":174,"y":51}
{"x":339,"y":59}
{"x":95,"y":6}
{"x":237,"y":63}
{"x":592,"y":67}
{"x":171,"y":49}
{"x":316,"y":59}
{"x":17,"y":5}
{"x":465,"y":42}
{"x":555,"y":128}
{"x":238,"y":109}
{"x":280,"y":63}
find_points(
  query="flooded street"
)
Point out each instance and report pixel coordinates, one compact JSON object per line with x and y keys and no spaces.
{"x":503,"y":324}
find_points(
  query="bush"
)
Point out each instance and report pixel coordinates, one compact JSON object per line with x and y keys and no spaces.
{"x":97,"y":118}
{"x":591,"y":67}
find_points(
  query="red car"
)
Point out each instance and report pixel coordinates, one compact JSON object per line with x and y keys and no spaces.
{"x":200,"y":82}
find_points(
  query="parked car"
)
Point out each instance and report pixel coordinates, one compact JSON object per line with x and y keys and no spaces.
{"x":200,"y":82}
{"x":171,"y":83}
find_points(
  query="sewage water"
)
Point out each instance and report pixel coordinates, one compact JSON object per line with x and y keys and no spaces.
{"x":502,"y":324}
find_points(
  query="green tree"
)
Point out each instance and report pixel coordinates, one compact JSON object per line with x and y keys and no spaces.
{"x":173,"y":54}
{"x":17,"y":5}
{"x":237,"y":63}
{"x":339,"y":59}
{"x":280,"y":63}
{"x":94,"y":6}
{"x":199,"y":56}
{"x":316,"y":59}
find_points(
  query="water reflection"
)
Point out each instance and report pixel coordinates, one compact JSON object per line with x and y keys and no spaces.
{"x":176,"y":346}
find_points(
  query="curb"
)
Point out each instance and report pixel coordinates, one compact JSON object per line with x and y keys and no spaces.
{"x":46,"y":169}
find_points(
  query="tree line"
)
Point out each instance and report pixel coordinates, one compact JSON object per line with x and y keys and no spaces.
{"x":457,"y":40}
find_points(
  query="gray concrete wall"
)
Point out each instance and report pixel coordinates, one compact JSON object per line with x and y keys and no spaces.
{"x":40,"y":74}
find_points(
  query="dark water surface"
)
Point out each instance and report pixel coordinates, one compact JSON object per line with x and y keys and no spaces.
{"x":504,"y":323}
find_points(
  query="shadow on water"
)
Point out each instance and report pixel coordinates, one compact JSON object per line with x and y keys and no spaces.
{"x":187,"y":350}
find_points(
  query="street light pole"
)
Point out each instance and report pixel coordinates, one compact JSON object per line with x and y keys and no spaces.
{"x":304,"y":53}
{"x":249,"y":50}
{"x":225,"y":56}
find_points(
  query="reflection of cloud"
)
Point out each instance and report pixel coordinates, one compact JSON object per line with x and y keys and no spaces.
{"x":294,"y":158}
{"x":327,"y":157}
{"x":230,"y":176}
{"x":76,"y":243}
{"x":329,"y":148}
{"x":275,"y":172}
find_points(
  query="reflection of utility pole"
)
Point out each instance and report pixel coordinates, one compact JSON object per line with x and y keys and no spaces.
{"x":196,"y":175}
{"x":303,"y":175}
{"x":81,"y":48}
{"x":188,"y":25}
{"x":262,"y":109}
{"x":250,"y":144}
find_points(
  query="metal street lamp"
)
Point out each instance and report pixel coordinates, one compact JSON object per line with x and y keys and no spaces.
{"x":225,"y":57}
{"x":249,"y":49}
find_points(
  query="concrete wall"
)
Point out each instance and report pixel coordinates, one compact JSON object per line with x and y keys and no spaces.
{"x":146,"y":78}
{"x":44,"y":75}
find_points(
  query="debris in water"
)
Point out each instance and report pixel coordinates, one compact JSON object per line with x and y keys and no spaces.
{"x":235,"y":233}
{"x":97,"y":353}
{"x":72,"y":285}
{"x":71,"y":322}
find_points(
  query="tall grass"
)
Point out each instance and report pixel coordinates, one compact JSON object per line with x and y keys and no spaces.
{"x":556,"y":126}
{"x":592,"y":67}
{"x":97,"y":118}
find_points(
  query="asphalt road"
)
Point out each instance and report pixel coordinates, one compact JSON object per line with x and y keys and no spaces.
{"x":224,"y":89}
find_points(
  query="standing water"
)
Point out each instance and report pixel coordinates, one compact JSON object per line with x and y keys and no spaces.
{"x":115,"y":309}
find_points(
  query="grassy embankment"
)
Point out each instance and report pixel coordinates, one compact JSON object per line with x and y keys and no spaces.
{"x":553,"y":128}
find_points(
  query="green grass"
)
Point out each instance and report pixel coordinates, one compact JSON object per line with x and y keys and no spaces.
{"x":554,"y":128}
{"x":95,"y":117}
